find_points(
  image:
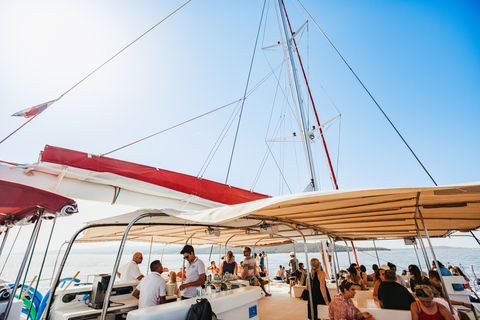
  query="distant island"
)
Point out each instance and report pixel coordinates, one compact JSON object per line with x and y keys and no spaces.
{"x":206,"y":249}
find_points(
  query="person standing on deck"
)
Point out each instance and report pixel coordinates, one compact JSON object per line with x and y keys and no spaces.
{"x":195,"y":273}
{"x":249,"y":267}
{"x":130,"y":270}
{"x":293,"y":264}
{"x":151,"y":290}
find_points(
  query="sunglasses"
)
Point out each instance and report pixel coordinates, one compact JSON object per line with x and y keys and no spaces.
{"x":186,"y":257}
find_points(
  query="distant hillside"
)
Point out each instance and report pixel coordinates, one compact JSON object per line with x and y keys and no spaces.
{"x":174,"y":249}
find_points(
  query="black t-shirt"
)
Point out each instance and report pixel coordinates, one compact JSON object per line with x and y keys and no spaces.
{"x":394,"y":296}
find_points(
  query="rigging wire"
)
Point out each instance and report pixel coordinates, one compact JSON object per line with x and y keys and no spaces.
{"x":371,"y":96}
{"x":223,"y":134}
{"x":245,"y":93}
{"x":219,"y":141}
{"x":174,"y":126}
{"x":11,"y":248}
{"x":113,"y":57}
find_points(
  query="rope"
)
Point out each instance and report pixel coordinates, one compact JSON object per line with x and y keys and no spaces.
{"x":245,"y":93}
{"x":217,"y":143}
{"x":11,"y":248}
{"x":172,"y":127}
{"x":371,"y":96}
{"x":102,"y":65}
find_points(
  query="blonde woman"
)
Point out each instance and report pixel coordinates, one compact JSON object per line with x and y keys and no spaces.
{"x":229,"y":265}
{"x":173,"y":281}
{"x":318,"y":287}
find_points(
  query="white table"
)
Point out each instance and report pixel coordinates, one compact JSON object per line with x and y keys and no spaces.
{"x":234,"y":304}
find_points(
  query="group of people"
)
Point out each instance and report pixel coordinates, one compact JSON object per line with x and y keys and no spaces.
{"x":151,"y":290}
{"x":390,"y":290}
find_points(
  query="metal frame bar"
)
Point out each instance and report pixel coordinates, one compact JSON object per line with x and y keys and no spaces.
{"x":35,"y":232}
{"x":5,"y":235}
{"x":417,"y":210}
{"x":376,"y":252}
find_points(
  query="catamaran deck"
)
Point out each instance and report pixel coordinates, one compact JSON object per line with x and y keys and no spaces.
{"x":281,"y":305}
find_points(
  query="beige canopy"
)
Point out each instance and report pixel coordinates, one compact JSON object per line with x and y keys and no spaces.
{"x":340,"y":214}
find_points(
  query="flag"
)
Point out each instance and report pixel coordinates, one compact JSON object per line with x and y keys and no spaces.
{"x":33,"y":111}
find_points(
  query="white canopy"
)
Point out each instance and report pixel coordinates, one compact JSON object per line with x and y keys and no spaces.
{"x":341,"y":214}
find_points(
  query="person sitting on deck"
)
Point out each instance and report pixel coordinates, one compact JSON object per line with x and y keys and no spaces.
{"x":399,"y":277}
{"x":446,"y":273}
{"x":434,"y":279}
{"x":229,"y":265}
{"x":354,"y":276}
{"x":179,"y":274}
{"x":371,"y":277}
{"x":417,"y":277}
{"x":379,"y":278}
{"x":342,"y":307}
{"x":363,"y":274}
{"x":425,"y":308}
{"x":302,"y":274}
{"x":213,"y":268}
{"x":393,"y":295}
{"x":130,"y":271}
{"x":173,"y":281}
{"x":280,"y":273}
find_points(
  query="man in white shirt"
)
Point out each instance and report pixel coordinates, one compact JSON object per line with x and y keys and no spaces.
{"x":151,"y":290}
{"x":130,"y":271}
{"x":195,"y":273}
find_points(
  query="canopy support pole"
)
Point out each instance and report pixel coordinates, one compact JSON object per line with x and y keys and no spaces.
{"x":433,"y":252}
{"x":163,"y":250}
{"x":210,"y":256}
{"x":5,"y":235}
{"x":117,"y":263}
{"x":56,"y":260}
{"x":376,"y":252}
{"x":149,"y":255}
{"x":305,"y":248}
{"x":335,"y":265}
{"x":34,"y":235}
{"x":226,"y":243}
{"x":416,"y":253}
{"x":422,"y":245}
{"x":348,"y":253}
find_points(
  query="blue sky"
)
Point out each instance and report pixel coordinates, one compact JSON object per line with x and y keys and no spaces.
{"x":419,"y":59}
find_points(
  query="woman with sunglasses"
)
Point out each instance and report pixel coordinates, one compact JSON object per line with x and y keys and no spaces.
{"x":427,"y":309}
{"x":342,"y":306}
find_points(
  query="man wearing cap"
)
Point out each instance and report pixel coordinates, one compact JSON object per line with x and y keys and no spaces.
{"x":195,"y":273}
{"x":130,"y":271}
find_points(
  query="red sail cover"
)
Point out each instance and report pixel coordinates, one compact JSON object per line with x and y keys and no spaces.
{"x":191,"y":185}
{"x":21,"y":200}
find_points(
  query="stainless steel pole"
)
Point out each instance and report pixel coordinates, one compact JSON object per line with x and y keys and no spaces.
{"x":36,"y":229}
{"x":376,"y":253}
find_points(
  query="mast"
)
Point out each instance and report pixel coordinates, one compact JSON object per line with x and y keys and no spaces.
{"x":311,"y":99}
{"x":299,"y":98}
